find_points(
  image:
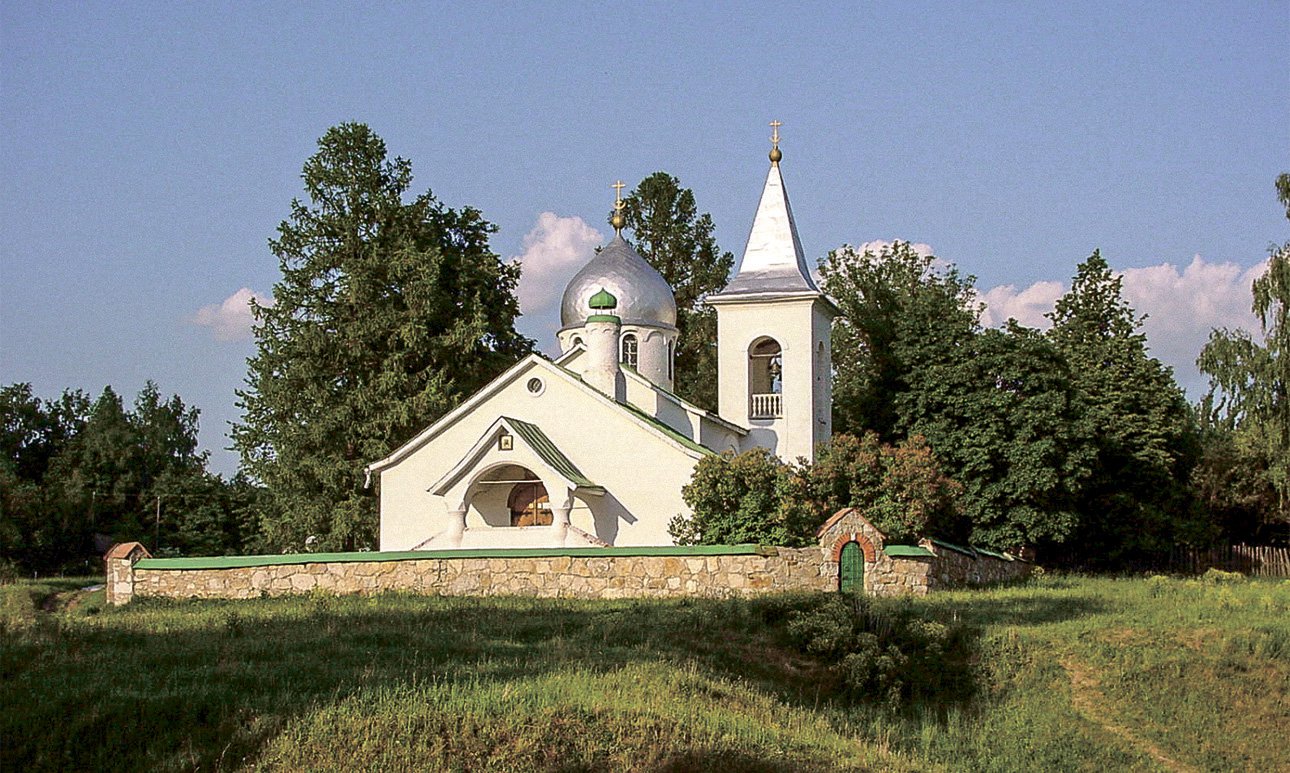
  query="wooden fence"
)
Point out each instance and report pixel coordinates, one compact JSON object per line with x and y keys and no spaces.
{"x":1252,"y":560}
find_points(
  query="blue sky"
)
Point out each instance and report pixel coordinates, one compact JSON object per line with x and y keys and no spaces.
{"x":149,"y":150}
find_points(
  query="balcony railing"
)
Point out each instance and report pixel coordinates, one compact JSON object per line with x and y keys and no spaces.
{"x":767,"y":406}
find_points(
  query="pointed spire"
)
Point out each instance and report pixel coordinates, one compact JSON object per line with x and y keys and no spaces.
{"x":773,"y":261}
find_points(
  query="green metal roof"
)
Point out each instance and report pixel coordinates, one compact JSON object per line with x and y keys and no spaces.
{"x":238,"y":562}
{"x":971,"y":550}
{"x":907,"y":551}
{"x":602,"y":300}
{"x":993,"y":554}
{"x":965,"y":550}
{"x":677,"y":436}
{"x":603,"y":318}
{"x":542,"y":445}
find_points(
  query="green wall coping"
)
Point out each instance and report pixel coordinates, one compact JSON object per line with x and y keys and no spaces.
{"x":899,"y":551}
{"x":972,"y":550}
{"x":239,"y":562}
{"x":992,"y":554}
{"x":966,"y":550}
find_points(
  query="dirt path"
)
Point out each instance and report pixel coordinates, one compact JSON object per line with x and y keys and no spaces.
{"x":1088,"y":700}
{"x":66,"y":601}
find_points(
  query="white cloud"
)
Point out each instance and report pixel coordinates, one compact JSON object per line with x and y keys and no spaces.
{"x":231,"y":319}
{"x":553,"y":251}
{"x":878,"y":245}
{"x":1027,"y":306}
{"x":1182,"y":306}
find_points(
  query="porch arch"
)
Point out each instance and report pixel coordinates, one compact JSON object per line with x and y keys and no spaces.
{"x":510,"y":494}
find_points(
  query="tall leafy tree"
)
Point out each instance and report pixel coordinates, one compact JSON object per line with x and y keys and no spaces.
{"x":995,"y":406}
{"x":388,"y":313}
{"x":668,"y":231}
{"x":898,"y":310}
{"x":34,"y":431}
{"x":1137,"y":498}
{"x":1249,"y":395}
{"x":100,"y":475}
{"x":1002,"y":416}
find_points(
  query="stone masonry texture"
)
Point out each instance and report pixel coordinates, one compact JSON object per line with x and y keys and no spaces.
{"x":581,"y":576}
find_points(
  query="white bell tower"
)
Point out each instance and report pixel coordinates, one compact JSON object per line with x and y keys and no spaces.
{"x":773,"y":335}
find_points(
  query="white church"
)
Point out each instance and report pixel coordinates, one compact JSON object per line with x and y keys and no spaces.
{"x":593,"y":448}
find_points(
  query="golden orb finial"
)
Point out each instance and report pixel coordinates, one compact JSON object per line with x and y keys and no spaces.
{"x":775,"y":154}
{"x":616,"y":220}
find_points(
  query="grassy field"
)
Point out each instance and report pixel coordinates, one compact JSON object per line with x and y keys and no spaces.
{"x":1063,"y":673}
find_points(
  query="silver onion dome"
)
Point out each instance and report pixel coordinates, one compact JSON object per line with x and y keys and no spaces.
{"x":644,"y":297}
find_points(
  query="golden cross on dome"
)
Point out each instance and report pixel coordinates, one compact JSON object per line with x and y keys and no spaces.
{"x":617,"y":220}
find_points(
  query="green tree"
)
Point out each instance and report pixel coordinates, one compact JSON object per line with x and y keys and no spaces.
{"x":388,"y":314}
{"x":34,"y":432}
{"x":1249,"y":394}
{"x":754,"y":497}
{"x":995,"y":406}
{"x":1002,"y":416}
{"x":1137,"y":498}
{"x":70,"y":469}
{"x":668,"y":231}
{"x":205,"y":515}
{"x":898,"y":310}
{"x":97,"y":478}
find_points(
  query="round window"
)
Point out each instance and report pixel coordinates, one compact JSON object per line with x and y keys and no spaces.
{"x":535,"y":386}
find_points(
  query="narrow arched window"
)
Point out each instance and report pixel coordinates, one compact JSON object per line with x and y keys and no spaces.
{"x":629,"y":355}
{"x":576,"y":342}
{"x":765,"y":379}
{"x":671,"y":361}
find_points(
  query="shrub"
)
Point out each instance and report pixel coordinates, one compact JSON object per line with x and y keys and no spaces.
{"x":1214,"y":576}
{"x":825,"y":629}
{"x":884,"y":653}
{"x":754,"y":497}
{"x":739,"y":498}
{"x":899,"y":488}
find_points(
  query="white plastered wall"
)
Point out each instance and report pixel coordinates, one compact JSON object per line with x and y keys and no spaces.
{"x":800,"y":326}
{"x":652,"y":357}
{"x":642,"y":473}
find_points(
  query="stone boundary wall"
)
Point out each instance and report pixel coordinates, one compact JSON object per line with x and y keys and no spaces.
{"x":614,"y":572}
{"x":604,"y":573}
{"x":957,"y":566}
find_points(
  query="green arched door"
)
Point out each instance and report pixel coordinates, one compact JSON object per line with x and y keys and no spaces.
{"x":851,"y":568}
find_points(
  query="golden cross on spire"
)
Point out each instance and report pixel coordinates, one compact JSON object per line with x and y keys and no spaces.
{"x":617,"y":219}
{"x":775,"y":154}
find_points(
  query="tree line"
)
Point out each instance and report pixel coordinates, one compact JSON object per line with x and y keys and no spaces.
{"x":78,"y":474}
{"x":392,"y":308}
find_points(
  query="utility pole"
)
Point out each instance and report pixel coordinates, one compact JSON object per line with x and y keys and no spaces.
{"x":156,"y":540}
